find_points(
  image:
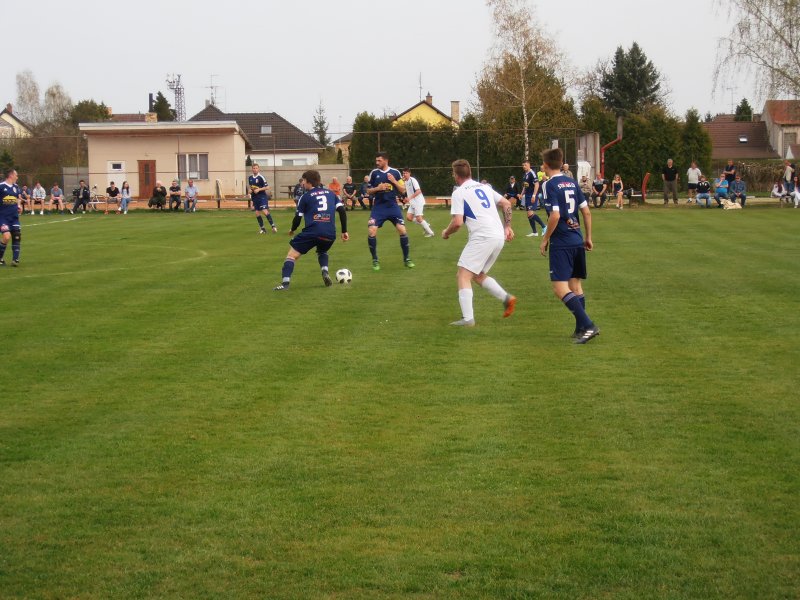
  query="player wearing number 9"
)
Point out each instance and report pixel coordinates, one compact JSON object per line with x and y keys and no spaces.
{"x":475,"y":205}
{"x":318,"y":207}
{"x":563,"y":199}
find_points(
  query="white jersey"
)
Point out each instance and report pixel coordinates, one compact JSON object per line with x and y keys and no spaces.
{"x":412,"y":185}
{"x":693,"y":175}
{"x":478,"y":204}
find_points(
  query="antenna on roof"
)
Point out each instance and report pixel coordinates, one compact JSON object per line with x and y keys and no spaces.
{"x":174,"y":83}
{"x":213,"y":88}
{"x":420,"y":87}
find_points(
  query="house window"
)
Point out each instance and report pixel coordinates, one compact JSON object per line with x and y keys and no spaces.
{"x":742,"y":139}
{"x":266,"y":129}
{"x":292,"y":162}
{"x":194,"y":166}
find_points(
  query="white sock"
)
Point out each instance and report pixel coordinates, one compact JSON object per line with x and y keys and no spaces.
{"x":491,"y":286}
{"x":427,"y":227}
{"x":465,"y":300}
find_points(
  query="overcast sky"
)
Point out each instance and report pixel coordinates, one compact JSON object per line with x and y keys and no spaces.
{"x":353,"y":56}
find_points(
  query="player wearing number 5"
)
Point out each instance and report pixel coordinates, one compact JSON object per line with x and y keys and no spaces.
{"x":317,"y":206}
{"x":384,"y":183}
{"x":475,"y":205}
{"x":563,"y":199}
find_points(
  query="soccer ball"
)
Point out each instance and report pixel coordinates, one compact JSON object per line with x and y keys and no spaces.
{"x":344,"y":276}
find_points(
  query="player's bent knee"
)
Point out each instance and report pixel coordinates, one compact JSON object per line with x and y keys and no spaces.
{"x":16,"y":235}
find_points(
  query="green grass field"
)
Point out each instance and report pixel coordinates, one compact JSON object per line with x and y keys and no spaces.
{"x":170,"y":427}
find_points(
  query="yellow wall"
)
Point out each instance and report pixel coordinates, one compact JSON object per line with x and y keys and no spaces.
{"x":425,"y":113}
{"x":226,"y":159}
{"x":19,"y":130}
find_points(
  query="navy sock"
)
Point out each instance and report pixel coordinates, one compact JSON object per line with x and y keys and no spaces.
{"x":269,"y":218}
{"x":538,"y":220}
{"x":373,"y":247}
{"x":260,"y":221}
{"x":286,"y":272}
{"x":323,"y":260}
{"x":3,"y":249}
{"x":582,"y":298}
{"x":573,"y":303}
{"x":532,"y":222}
{"x":15,"y":248}
{"x":404,"y":246}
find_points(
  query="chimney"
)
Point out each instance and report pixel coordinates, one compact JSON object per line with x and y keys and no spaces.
{"x":151,"y":117}
{"x":429,"y":99}
{"x":10,"y":108}
{"x":455,"y":110}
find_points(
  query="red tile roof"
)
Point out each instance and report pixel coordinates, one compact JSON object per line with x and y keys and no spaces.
{"x":725,"y":140}
{"x":783,"y":112}
{"x":128,"y":118}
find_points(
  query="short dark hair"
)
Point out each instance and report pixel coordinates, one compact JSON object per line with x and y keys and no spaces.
{"x":553,"y":158}
{"x":462,"y":168}
{"x":312,"y":177}
{"x":8,"y":172}
{"x":406,"y":169}
{"x":382,"y":155}
{"x":82,"y":181}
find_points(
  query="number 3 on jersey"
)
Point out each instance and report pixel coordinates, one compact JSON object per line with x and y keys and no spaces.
{"x":323,"y":204}
{"x":485,"y":203}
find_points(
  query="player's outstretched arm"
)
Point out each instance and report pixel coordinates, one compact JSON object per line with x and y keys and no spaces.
{"x":587,"y":226}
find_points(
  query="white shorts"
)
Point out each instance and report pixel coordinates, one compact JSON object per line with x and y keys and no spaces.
{"x":479,"y":255}
{"x":416,"y":207}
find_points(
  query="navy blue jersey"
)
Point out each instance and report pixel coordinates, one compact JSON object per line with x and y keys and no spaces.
{"x":562,"y":195}
{"x":9,"y":196}
{"x":529,"y":180}
{"x":318,"y":208}
{"x":257,"y":181}
{"x":377,"y":177}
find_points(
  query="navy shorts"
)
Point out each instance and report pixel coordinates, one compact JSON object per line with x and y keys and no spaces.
{"x":691,"y":186}
{"x":260,"y":203}
{"x":567,"y":263}
{"x":303,"y":242}
{"x":531,"y":203}
{"x":9,"y":223}
{"x":382,"y":214}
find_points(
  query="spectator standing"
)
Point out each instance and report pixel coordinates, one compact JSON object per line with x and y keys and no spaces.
{"x":670,"y":177}
{"x":124,"y":198}
{"x":37,"y":197}
{"x":703,"y":191}
{"x":692,"y":179}
{"x":512,"y":192}
{"x":796,"y":190}
{"x":190,"y":197}
{"x":530,"y":187}
{"x":721,"y":189}
{"x":738,"y":190}
{"x":599,"y":188}
{"x":789,"y":172}
{"x":565,"y":171}
{"x":730,"y":172}
{"x":57,"y":196}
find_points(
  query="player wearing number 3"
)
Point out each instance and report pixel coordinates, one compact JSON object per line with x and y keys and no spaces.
{"x":318,"y":207}
{"x":475,"y":205}
{"x":562,"y":199}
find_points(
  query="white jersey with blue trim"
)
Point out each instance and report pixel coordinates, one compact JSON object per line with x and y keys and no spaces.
{"x":477,"y":202}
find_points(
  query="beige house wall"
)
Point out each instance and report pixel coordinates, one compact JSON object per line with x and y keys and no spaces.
{"x":19,"y":130}
{"x":226,"y":159}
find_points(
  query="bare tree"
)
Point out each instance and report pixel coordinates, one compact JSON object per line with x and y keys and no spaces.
{"x":57,"y":104}
{"x":521,"y":72}
{"x":28,"y":106}
{"x":765,"y":43}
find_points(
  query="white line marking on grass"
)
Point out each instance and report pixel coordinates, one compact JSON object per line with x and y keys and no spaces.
{"x":26,"y":225}
{"x":203,"y":255}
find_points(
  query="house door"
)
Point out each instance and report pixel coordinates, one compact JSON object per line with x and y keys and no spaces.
{"x":147,"y":177}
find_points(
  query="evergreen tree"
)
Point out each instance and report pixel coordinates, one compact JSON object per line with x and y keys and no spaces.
{"x":163,"y":109}
{"x":696,"y":143}
{"x":6,"y":160}
{"x":321,"y":126}
{"x":708,"y":118}
{"x":248,"y":162}
{"x":744,"y":112}
{"x":88,"y":111}
{"x":632,"y":82}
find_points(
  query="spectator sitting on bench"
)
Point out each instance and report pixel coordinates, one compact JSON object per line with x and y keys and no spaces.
{"x":721,"y":189}
{"x":703,"y":191}
{"x":112,"y":192}
{"x":779,"y":191}
{"x":38,"y":196}
{"x":512,"y":193}
{"x":737,"y":190}
{"x":159,"y":198}
{"x":175,"y":195}
{"x":82,"y":196}
{"x":599,"y":187}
